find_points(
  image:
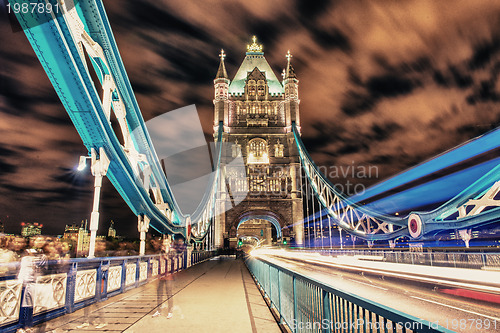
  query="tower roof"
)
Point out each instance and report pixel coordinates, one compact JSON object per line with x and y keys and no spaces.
{"x":290,"y":72}
{"x":221,"y":72}
{"x":254,"y":57}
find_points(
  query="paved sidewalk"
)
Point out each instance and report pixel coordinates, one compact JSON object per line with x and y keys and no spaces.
{"x":218,"y":295}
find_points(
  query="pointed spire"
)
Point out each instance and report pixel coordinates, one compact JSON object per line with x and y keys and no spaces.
{"x":222,"y":73}
{"x":290,"y":72}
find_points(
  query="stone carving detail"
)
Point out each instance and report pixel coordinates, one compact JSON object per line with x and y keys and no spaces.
{"x":114,"y":278}
{"x":85,"y":284}
{"x":10,"y":300}
{"x":50,"y":292}
{"x":130,"y":275}
{"x":154,"y":267}
{"x":143,"y":270}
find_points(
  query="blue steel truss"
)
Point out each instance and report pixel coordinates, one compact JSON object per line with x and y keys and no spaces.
{"x":475,"y":206}
{"x":66,"y":40}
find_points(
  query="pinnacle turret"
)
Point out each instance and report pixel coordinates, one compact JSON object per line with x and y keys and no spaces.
{"x":221,"y":72}
{"x":290,"y":72}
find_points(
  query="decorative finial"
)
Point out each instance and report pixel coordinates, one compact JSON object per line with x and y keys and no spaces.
{"x":222,"y":55}
{"x":254,"y":47}
{"x":289,"y":55}
{"x":283,"y":74}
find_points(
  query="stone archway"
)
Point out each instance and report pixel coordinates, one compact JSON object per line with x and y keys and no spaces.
{"x":265,"y":226}
{"x":261,"y":229}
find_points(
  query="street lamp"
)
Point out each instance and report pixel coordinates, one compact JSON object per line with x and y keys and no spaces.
{"x":99,"y":168}
{"x":83,"y":163}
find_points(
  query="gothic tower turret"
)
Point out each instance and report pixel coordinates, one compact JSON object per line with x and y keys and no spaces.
{"x":261,"y":191}
{"x":221,"y":86}
{"x":291,"y":85}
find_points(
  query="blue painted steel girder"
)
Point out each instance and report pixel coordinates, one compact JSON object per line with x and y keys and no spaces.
{"x":432,"y":221}
{"x":52,"y":43}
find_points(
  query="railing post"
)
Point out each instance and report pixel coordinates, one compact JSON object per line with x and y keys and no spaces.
{"x":70,"y":288}
{"x":150,"y":268}
{"x":270,"y":295}
{"x":279,"y":297}
{"x":326,"y":311}
{"x":98,"y":282}
{"x":295,"y":309}
{"x":124,"y":275}
{"x":137,"y":272}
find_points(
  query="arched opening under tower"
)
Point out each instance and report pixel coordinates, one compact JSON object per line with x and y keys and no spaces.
{"x":265,"y":229}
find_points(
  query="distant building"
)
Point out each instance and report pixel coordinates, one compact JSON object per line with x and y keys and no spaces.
{"x":111,"y":230}
{"x":31,"y":229}
{"x":71,"y":232}
{"x":83,"y":240}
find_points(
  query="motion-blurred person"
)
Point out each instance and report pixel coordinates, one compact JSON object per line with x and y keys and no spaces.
{"x":32,"y":264}
{"x":7,"y":257}
{"x":96,"y":321}
{"x":165,"y":283}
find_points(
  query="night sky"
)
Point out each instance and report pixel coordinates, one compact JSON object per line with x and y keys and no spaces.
{"x":382,"y":83}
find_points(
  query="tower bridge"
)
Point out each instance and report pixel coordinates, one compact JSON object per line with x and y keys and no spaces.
{"x":256,"y":111}
{"x":262,"y":169}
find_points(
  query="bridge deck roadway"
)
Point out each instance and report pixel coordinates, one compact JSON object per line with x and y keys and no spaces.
{"x":218,"y":295}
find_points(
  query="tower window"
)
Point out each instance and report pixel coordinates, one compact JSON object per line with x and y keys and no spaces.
{"x":251,"y":87}
{"x":257,"y":152}
{"x":278,"y":149}
{"x":261,"y":90}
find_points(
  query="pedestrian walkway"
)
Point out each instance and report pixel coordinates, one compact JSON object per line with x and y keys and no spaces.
{"x":218,"y":295}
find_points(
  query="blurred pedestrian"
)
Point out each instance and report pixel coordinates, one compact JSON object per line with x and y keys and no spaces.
{"x":32,"y":265}
{"x":165,"y":283}
{"x":7,"y":257}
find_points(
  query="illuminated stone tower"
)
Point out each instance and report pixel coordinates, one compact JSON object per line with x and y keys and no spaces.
{"x":257,"y":110}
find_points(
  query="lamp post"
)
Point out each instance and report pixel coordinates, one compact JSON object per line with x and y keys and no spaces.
{"x":99,"y":168}
{"x":340,"y":236}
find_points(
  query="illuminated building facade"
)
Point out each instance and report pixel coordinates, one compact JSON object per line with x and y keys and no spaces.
{"x":111,"y":230}
{"x":31,"y":229}
{"x":256,"y":111}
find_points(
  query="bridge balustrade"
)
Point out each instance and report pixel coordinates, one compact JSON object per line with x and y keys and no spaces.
{"x":307,"y":305}
{"x":71,"y":284}
{"x":471,"y":260}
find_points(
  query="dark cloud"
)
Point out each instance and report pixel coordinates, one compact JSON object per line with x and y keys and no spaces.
{"x":453,"y":77}
{"x":153,"y":16}
{"x":389,"y":86}
{"x":356,"y":103}
{"x":6,"y":168}
{"x":483,"y":53}
{"x":381,"y":132}
{"x":6,"y":151}
{"x":485,"y":92}
{"x":326,"y":132}
{"x":310,"y":10}
{"x":331,"y":39}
